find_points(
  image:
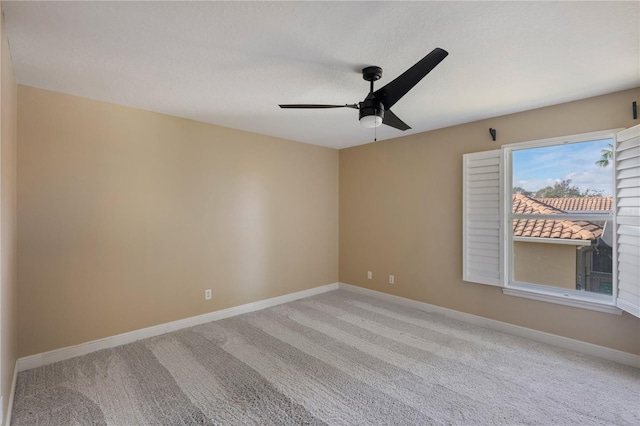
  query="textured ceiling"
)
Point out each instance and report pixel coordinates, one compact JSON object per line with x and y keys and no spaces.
{"x":232,"y":63}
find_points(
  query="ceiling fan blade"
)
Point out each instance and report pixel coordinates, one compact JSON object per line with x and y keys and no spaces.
{"x":392,"y":92}
{"x":310,"y":106}
{"x":390,"y":119}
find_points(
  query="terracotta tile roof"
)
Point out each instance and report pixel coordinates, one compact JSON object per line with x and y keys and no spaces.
{"x":579,"y":204}
{"x":545,"y":228}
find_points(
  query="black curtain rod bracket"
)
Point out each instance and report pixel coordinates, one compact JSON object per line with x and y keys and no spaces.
{"x":492,"y":132}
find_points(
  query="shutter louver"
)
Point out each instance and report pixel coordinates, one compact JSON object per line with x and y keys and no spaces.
{"x":482,"y":206}
{"x":627,"y":172}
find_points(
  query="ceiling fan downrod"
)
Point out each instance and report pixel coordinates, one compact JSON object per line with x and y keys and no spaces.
{"x":371,"y":110}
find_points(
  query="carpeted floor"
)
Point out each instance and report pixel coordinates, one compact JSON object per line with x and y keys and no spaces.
{"x":337,"y":359}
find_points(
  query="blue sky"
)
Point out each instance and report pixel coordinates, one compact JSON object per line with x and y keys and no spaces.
{"x":540,"y":167}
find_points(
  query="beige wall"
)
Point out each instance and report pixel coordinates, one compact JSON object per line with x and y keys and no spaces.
{"x":401,"y":214}
{"x":546,"y":264}
{"x":127,"y":216}
{"x":8,"y":228}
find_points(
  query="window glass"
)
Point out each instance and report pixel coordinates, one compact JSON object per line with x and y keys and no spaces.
{"x":562,"y":205}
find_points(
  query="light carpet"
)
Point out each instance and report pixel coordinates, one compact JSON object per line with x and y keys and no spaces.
{"x":338,"y":358}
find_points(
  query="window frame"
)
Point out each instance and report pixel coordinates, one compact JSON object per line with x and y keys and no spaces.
{"x":574,"y":298}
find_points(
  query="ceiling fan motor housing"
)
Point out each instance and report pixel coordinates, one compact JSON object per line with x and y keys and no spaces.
{"x":371,"y":107}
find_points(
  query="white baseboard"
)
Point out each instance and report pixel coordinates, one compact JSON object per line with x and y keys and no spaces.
{"x":539,"y":336}
{"x":38,"y":360}
{"x":7,"y":421}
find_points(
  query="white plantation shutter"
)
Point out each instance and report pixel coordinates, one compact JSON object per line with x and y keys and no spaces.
{"x":482,"y":206}
{"x":627,"y":172}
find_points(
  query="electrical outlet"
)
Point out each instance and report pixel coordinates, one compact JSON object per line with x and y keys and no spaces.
{"x":370,"y":275}
{"x":392,"y":279}
{"x":207,"y":294}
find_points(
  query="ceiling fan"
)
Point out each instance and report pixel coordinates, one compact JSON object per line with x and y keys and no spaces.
{"x":376,"y":107}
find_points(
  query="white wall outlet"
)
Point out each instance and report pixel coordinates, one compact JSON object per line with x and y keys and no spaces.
{"x":392,"y":279}
{"x":370,"y":275}
{"x":207,"y":294}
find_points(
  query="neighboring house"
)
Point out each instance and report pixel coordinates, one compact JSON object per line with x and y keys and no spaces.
{"x":572,"y":254}
{"x":579,"y":204}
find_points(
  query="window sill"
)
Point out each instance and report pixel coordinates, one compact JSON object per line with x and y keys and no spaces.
{"x":593,"y":303}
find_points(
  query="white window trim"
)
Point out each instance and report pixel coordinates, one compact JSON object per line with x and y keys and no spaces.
{"x":552,"y":295}
{"x":576,"y":138}
{"x":573,"y":298}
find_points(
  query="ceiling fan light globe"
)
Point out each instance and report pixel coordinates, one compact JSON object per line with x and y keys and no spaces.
{"x":370,"y":121}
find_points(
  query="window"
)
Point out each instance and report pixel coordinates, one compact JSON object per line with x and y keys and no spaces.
{"x":561,"y":203}
{"x":557,"y":220}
